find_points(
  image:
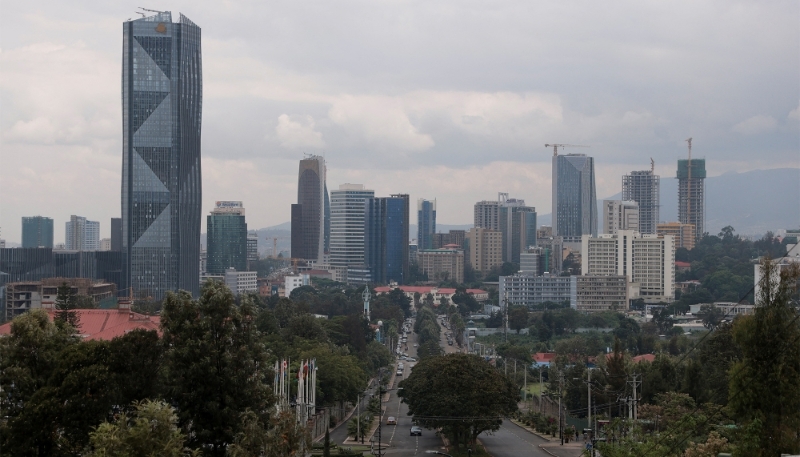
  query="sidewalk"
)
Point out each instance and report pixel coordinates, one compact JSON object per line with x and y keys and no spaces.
{"x":554,"y":446}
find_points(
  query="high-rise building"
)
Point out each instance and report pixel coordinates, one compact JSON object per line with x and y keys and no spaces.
{"x":648,"y":261}
{"x":691,"y":194}
{"x":552,"y":256}
{"x":227,"y":238}
{"x":82,"y":235}
{"x":644,"y":188}
{"x":574,"y":199}
{"x":406,"y":232}
{"x":347,"y":224}
{"x":683,"y":234}
{"x":252,"y":247}
{"x":620,"y":215}
{"x":487,"y":215}
{"x":37,"y":232}
{"x":385,"y":241}
{"x":453,"y":237}
{"x":518,"y":226}
{"x":442,"y":264}
{"x":426,"y":223}
{"x":483,"y":249}
{"x":116,"y":234}
{"x":162,"y":99}
{"x":308,"y":215}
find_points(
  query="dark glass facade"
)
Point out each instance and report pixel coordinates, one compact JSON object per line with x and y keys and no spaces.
{"x":406,"y":235}
{"x":385,"y":239}
{"x":37,"y":232}
{"x":426,"y":223}
{"x":161,"y":180}
{"x":35,"y":264}
{"x":308,"y":237}
{"x":574,"y":198}
{"x":116,"y":234}
{"x":227,"y":243}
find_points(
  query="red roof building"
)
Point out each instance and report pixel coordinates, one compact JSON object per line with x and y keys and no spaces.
{"x":543,"y":359}
{"x":104,"y":324}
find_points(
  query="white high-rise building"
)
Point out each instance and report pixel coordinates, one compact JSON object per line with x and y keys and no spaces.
{"x":648,"y":261}
{"x":82,"y":235}
{"x":347,"y":224}
{"x":620,"y":215}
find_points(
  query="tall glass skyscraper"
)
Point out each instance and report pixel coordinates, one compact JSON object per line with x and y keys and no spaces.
{"x":574,"y":197}
{"x":426,"y":223}
{"x":386,"y":238}
{"x":162,"y":100}
{"x":37,"y":232}
{"x":227,"y":238}
{"x":308,"y":215}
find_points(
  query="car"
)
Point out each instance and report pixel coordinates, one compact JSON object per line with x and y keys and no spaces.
{"x":411,"y":359}
{"x":399,"y":373}
{"x":391,"y":421}
{"x":416,"y":431}
{"x":416,"y":345}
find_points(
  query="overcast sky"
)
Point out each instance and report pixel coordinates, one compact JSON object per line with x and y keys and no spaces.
{"x":452,"y":100}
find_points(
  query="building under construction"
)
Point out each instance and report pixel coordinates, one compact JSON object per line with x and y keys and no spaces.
{"x":691,"y":194}
{"x":644,"y":187}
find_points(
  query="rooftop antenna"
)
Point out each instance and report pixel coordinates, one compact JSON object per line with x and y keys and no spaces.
{"x":652,"y":165}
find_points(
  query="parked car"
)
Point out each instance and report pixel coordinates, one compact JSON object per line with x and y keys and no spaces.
{"x":399,"y":373}
{"x":411,"y":359}
{"x":391,"y":421}
{"x":416,"y":431}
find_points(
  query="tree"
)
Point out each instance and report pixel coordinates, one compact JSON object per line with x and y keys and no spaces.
{"x":326,"y":445}
{"x":215,"y":365}
{"x":764,"y":384}
{"x":66,"y":303}
{"x":518,"y":318}
{"x":281,"y":436}
{"x":358,"y":427}
{"x":152,"y":430}
{"x":440,"y":389}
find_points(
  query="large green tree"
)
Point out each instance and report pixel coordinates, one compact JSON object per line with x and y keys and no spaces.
{"x":460,"y":394}
{"x":215,"y":365}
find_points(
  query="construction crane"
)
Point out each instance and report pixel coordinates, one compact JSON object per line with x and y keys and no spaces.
{"x":555,"y":147}
{"x":151,"y":11}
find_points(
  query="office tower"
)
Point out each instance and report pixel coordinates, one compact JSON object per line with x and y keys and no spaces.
{"x":116,"y":234}
{"x":620,"y":215}
{"x":37,"y":232}
{"x":530,"y":261}
{"x":683,"y":234}
{"x":691,"y":194}
{"x":82,"y":235}
{"x":518,"y":226}
{"x":483,"y":248}
{"x":644,"y":188}
{"x":162,"y":92}
{"x":227,"y":238}
{"x":308,"y":216}
{"x":574,"y":200}
{"x":406,"y":234}
{"x":347,"y":224}
{"x":252,"y":248}
{"x":426,"y":223}
{"x":327,"y":222}
{"x":648,"y":261}
{"x":487,"y":215}
{"x":385,"y":240}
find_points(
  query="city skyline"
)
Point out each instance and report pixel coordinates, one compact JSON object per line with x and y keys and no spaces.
{"x":638,"y":94}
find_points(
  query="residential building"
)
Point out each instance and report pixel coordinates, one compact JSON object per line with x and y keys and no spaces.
{"x":518,"y":227}
{"x":82,"y":235}
{"x":226,"y":238}
{"x":406,"y":232}
{"x":442,"y":264}
{"x":240,"y":282}
{"x":116,"y":234}
{"x":348,"y":205}
{"x":252,"y":248}
{"x":792,"y":257}
{"x":574,"y":200}
{"x":683,"y":234}
{"x":691,"y":194}
{"x":426,"y":223}
{"x":620,"y":215}
{"x":162,"y":99}
{"x":487,"y":215}
{"x":526,"y":290}
{"x":601,"y":293}
{"x":37,"y":232}
{"x":544,"y":231}
{"x":648,"y":261}
{"x":483,"y":248}
{"x":308,"y":215}
{"x":531,"y":261}
{"x":385,"y":242}
{"x":644,"y":188}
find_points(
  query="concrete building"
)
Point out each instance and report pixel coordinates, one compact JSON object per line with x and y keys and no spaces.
{"x":426,"y":223}
{"x":105,"y":244}
{"x":308,"y":215}
{"x":293,"y":282}
{"x":452,"y":237}
{"x":648,"y":261}
{"x":161,"y":207}
{"x":226,"y":238}
{"x":442,"y":264}
{"x":483,"y":248}
{"x":692,"y":194}
{"x":37,"y":232}
{"x":25,"y":296}
{"x":644,"y":188}
{"x":530,"y":291}
{"x":348,"y":205}
{"x":791,"y":258}
{"x":620,"y":215}
{"x":240,"y":282}
{"x":683,"y":234}
{"x":602,"y":293}
{"x":82,"y":234}
{"x":552,"y":258}
{"x":574,"y":197}
{"x":487,"y":215}
{"x":252,"y":247}
{"x":518,"y":227}
{"x":531,"y":262}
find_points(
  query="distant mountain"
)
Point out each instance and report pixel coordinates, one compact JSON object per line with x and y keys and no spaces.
{"x":752,"y":202}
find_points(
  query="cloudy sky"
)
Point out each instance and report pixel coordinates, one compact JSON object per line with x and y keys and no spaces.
{"x":450,"y":99}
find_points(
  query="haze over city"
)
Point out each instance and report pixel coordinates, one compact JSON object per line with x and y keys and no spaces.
{"x":445,"y":100}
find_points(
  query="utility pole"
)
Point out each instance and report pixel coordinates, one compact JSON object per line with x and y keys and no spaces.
{"x":635,"y":398}
{"x":589,"y":393}
{"x":560,"y":394}
{"x":525,"y":386}
{"x":541,"y":391}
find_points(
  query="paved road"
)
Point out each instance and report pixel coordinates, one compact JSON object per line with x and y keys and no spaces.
{"x":513,"y":441}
